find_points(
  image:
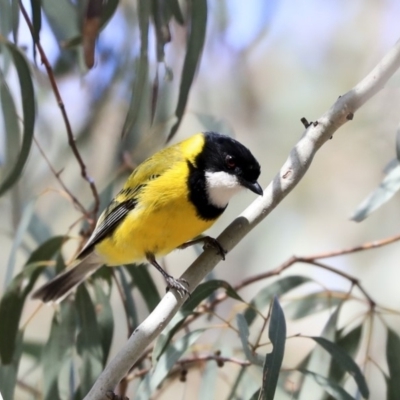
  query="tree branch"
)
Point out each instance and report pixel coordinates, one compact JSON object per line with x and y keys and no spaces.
{"x":289,"y":176}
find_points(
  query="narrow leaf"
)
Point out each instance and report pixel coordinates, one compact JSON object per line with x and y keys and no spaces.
{"x":141,"y":76}
{"x":9,"y":373}
{"x":350,"y":344}
{"x":244,"y":336}
{"x":28,"y":110}
{"x":88,"y":341}
{"x":319,"y":362}
{"x":393,"y":357}
{"x":346,"y":362}
{"x":197,"y":35}
{"x":329,"y":386}
{"x":264,"y":296}
{"x":14,"y":297}
{"x":144,"y":282}
{"x":273,"y":360}
{"x":384,"y":192}
{"x":312,"y":304}
{"x":60,"y":346}
{"x":105,"y":319}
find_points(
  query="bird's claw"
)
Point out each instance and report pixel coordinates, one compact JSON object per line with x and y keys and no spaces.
{"x":180,"y":285}
{"x":210,"y":242}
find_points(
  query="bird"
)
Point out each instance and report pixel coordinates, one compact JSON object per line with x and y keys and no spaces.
{"x":167,"y":202}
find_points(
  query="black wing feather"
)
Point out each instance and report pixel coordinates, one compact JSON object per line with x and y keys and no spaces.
{"x":114,"y":216}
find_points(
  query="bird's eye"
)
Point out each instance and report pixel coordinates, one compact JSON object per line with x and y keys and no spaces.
{"x":230,"y":162}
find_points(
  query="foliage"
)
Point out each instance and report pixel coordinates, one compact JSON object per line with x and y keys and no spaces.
{"x":82,"y":329}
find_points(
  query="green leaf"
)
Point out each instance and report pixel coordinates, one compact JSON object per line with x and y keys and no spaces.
{"x":264,"y":296}
{"x":329,"y":386}
{"x":28,"y":110}
{"x":273,"y":360}
{"x":129,"y":302}
{"x":144,"y":282}
{"x":350,"y":344}
{"x":9,"y":373}
{"x":5,"y":17}
{"x":319,"y":361}
{"x":88,"y":341}
{"x":33,"y":349}
{"x":197,"y":35}
{"x":384,"y":192}
{"x":311,"y":304}
{"x":59,"y":347}
{"x":393,"y":357}
{"x":172,"y":354}
{"x":62,"y":16}
{"x":173,"y":6}
{"x":142,"y":70}
{"x":11,"y":126}
{"x":345,"y":362}
{"x":14,"y":297}
{"x":244,"y":336}
{"x":105,"y":319}
{"x":36,"y":22}
{"x":205,"y":289}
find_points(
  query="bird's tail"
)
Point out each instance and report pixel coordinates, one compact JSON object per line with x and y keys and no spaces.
{"x":60,"y":286}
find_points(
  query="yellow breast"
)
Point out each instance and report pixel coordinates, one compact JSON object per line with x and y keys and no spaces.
{"x":163,"y":219}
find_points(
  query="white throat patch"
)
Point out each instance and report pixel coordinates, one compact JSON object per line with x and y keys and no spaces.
{"x":220,"y":187}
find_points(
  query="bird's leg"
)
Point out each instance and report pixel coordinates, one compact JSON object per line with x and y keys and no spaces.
{"x":208,"y":242}
{"x":179,"y":284}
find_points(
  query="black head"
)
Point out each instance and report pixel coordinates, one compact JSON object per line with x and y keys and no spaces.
{"x":220,"y":170}
{"x":222,"y":153}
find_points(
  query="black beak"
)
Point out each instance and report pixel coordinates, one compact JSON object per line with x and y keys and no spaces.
{"x":254,"y":187}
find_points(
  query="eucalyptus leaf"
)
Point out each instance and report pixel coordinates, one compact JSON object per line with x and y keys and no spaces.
{"x":197,"y":35}
{"x":88,"y":341}
{"x":345,"y":362}
{"x":142,"y":279}
{"x":28,"y":110}
{"x":393,"y":357}
{"x":273,"y":360}
{"x":329,"y":386}
{"x":105,"y":319}
{"x":350,"y":344}
{"x":389,"y":186}
{"x":9,"y":373}
{"x":312,"y":304}
{"x":244,"y":336}
{"x":59,"y":347}
{"x":13,"y":300}
{"x":263,"y":298}
{"x":319,"y":362}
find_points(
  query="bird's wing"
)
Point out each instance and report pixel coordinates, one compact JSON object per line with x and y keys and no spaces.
{"x":111,"y":217}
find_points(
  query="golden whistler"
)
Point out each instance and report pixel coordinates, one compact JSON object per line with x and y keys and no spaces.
{"x":169,"y":199}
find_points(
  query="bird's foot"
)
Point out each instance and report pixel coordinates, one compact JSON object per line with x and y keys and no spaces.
{"x":180,"y":285}
{"x":210,"y":242}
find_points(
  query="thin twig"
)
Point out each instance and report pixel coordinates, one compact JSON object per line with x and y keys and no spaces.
{"x":71,"y":139}
{"x":56,"y":174}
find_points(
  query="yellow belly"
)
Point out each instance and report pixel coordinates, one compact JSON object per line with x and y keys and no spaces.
{"x":163,"y":220}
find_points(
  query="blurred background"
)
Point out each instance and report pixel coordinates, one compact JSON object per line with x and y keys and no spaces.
{"x":265,"y":65}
